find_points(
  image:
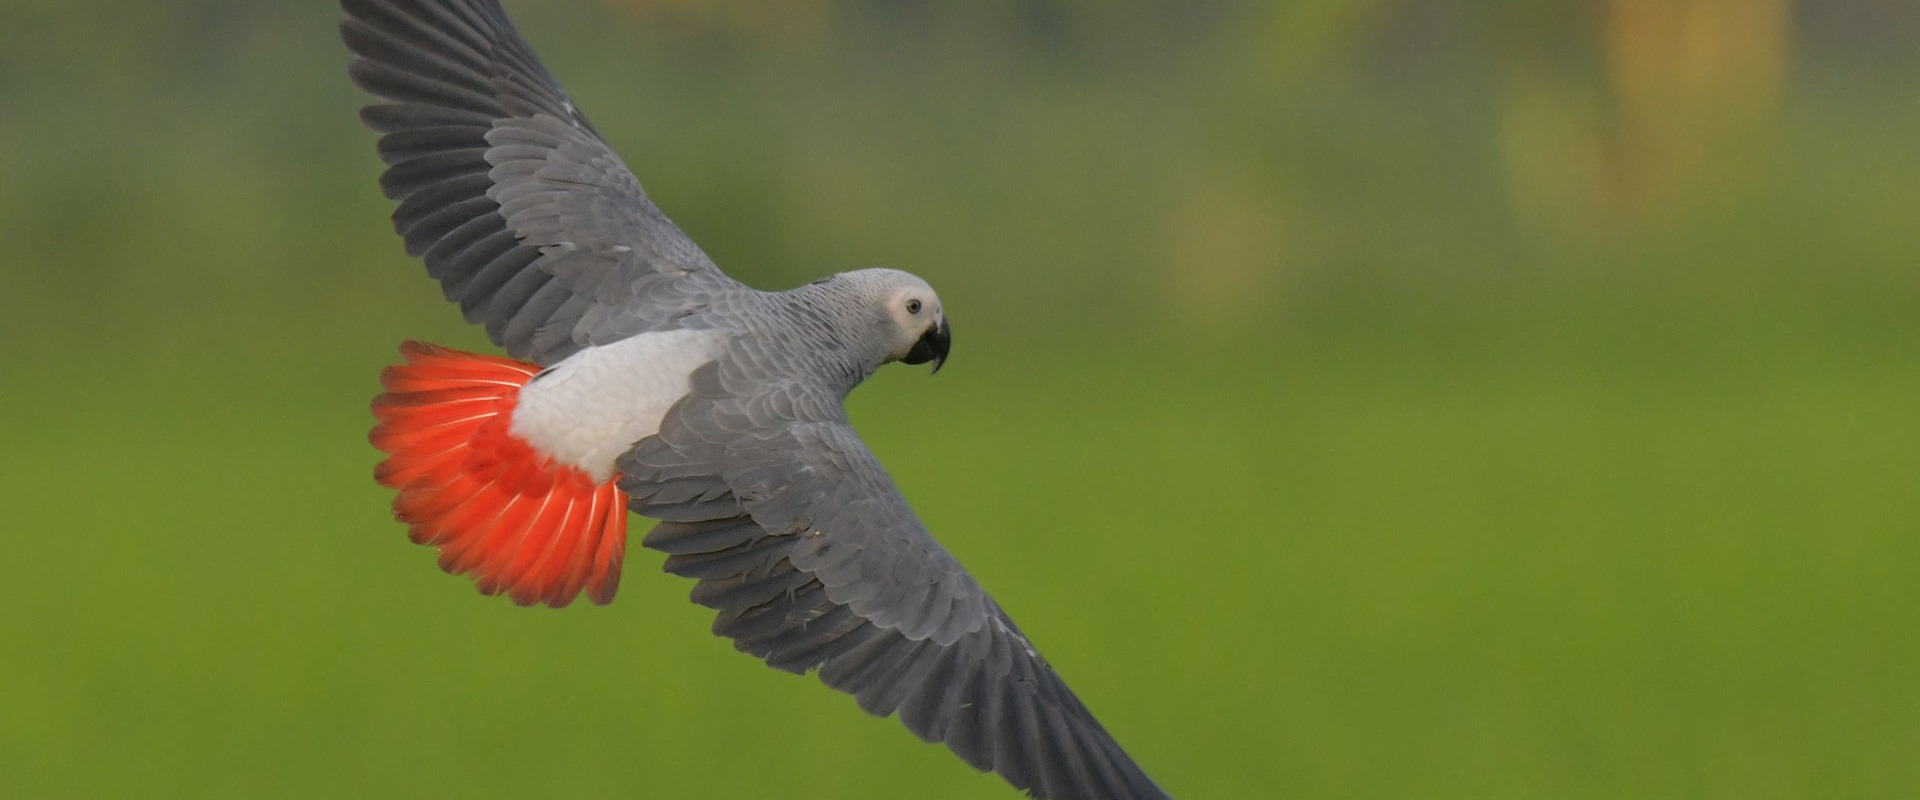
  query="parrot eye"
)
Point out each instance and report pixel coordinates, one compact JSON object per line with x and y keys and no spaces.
{"x":913,"y":306}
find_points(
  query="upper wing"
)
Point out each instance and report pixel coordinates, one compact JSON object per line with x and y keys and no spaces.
{"x":813,"y":559}
{"x":521,"y":211}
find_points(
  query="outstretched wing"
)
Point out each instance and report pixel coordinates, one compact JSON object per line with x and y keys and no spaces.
{"x":525,"y":216}
{"x":802,"y":542}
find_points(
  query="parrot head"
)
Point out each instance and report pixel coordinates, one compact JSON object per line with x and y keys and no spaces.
{"x":912,"y":320}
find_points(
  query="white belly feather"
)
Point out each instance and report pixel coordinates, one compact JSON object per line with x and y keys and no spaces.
{"x":592,"y":407}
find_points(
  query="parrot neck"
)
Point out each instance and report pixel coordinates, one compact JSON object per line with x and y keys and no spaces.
{"x":834,"y":334}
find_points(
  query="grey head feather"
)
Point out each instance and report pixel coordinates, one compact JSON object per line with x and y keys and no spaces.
{"x":845,"y":326}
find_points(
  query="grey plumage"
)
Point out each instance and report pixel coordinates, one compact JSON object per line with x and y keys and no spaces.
{"x":767,"y":498}
{"x":520,"y":210}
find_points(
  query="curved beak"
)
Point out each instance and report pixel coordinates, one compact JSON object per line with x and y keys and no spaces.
{"x":932,"y":346}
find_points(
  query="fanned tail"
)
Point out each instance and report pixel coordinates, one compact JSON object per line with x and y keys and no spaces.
{"x":523,"y":525}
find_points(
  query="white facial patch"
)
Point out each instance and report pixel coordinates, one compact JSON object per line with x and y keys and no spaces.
{"x":590,"y":408}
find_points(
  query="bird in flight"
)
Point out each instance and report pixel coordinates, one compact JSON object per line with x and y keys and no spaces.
{"x":641,"y":378}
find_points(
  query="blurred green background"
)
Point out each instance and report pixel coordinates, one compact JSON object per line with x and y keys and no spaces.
{"x":1364,"y":399}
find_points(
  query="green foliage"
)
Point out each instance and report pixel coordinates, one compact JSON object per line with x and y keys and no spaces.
{"x":1316,"y":467}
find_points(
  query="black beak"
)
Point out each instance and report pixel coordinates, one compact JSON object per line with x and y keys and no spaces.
{"x":932,"y":346}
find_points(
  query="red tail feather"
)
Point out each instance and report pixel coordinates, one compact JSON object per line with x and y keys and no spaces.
{"x":536,"y":530}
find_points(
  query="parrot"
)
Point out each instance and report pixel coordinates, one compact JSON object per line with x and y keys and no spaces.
{"x":640,"y":379}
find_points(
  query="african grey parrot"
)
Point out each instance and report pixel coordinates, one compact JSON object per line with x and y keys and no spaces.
{"x":659,"y":384}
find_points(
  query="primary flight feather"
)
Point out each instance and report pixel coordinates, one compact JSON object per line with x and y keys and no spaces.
{"x":644,"y":379}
